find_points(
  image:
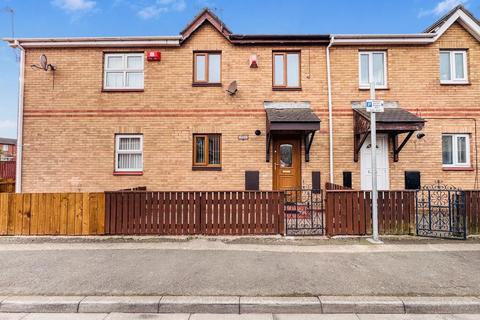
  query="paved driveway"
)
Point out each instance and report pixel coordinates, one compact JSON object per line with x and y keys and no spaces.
{"x":204,"y":267}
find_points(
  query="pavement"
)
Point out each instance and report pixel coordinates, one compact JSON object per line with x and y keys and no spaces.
{"x":144,"y":316}
{"x":241,"y":266}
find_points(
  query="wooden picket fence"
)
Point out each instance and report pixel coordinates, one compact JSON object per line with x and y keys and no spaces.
{"x":188,"y":213}
{"x":472,"y":206}
{"x":7,"y":169}
{"x":349,"y":212}
{"x":52,"y":213}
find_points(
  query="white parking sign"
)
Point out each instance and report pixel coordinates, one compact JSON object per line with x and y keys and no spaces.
{"x":374,"y":105}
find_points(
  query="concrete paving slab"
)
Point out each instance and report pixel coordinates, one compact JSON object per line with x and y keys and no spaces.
{"x":12,"y":316}
{"x":419,"y":316}
{"x":458,"y":305}
{"x":147,"y":316}
{"x":361,"y":304}
{"x":251,"y":316}
{"x":65,"y":316}
{"x":199,"y":304}
{"x":315,"y":317}
{"x":40,"y":304}
{"x":280,"y":305}
{"x":125,"y":304}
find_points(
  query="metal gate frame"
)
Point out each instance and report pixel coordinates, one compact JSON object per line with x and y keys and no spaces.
{"x":304,"y":212}
{"x":441,"y":212}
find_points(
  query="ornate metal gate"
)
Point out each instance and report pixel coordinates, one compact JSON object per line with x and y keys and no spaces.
{"x":440,"y":212}
{"x":304,"y":210}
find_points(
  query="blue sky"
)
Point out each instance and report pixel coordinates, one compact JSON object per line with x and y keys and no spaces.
{"x":71,"y":18}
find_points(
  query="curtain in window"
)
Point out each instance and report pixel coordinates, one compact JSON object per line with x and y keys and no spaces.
{"x":129,"y":161}
{"x":459,"y":72}
{"x":279,"y":71}
{"x":378,"y":69}
{"x":214,"y":68}
{"x":445,"y":66}
{"x":364,"y":69}
{"x":200,"y":150}
{"x":462,"y":150}
{"x":293,"y":61}
{"x":200,"y":68}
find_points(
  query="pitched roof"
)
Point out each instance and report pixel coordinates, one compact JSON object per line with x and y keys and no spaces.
{"x":391,"y":115}
{"x":205,"y":15}
{"x":8,"y":141}
{"x":291,"y":115}
{"x":444,"y":18}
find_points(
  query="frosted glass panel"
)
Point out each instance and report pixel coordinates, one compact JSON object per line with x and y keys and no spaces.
{"x":459,"y":72}
{"x":114,"y":79}
{"x":214,"y":68}
{"x":115,"y":62}
{"x":134,"y":80}
{"x":445,"y":66}
{"x":279,"y":71}
{"x":286,"y":155}
{"x":135,"y":62}
{"x":200,"y":68}
{"x":364,"y":69}
{"x":378,"y":69}
{"x":293,"y":70}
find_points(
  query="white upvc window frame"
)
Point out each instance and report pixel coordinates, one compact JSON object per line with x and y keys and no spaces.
{"x":5,"y":148}
{"x":454,"y":79}
{"x":118,"y":151}
{"x":123,"y":70}
{"x":455,"y":163}
{"x":370,"y":69}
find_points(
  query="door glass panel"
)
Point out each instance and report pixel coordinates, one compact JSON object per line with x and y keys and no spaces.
{"x":286,"y":155}
{"x":447,"y":150}
{"x":200,"y":150}
{"x":462,"y":150}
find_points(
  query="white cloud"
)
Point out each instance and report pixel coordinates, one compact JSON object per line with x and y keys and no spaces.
{"x":75,"y":6}
{"x":442,"y":7}
{"x":159,"y":7}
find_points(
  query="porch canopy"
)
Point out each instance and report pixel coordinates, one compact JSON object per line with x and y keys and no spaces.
{"x":295,"y":118}
{"x":393,"y":121}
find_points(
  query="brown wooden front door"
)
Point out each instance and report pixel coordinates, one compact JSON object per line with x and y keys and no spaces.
{"x":286,"y":163}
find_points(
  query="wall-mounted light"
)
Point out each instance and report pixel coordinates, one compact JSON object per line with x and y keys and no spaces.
{"x":258,"y":132}
{"x":253,"y":61}
{"x":420,"y":135}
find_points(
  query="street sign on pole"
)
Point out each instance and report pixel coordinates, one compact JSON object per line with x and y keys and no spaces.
{"x":374,"y":105}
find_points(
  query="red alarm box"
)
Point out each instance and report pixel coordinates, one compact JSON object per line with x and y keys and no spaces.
{"x":154,"y":56}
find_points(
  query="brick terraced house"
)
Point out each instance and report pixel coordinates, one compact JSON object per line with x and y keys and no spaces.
{"x":214,"y":110}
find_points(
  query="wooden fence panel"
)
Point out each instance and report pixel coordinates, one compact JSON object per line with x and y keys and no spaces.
{"x":7,"y":186}
{"x":52,"y":214}
{"x":182,"y":213}
{"x":348,"y":212}
{"x":8,"y":169}
{"x":472,"y":206}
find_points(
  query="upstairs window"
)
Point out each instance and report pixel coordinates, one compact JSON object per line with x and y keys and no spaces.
{"x":453,"y":66}
{"x":123,"y":71}
{"x":128,"y":153}
{"x":373,"y":68}
{"x":456,"y":150}
{"x":5,"y":147}
{"x":286,"y":70}
{"x":207,"y":68}
{"x":207,"y":150}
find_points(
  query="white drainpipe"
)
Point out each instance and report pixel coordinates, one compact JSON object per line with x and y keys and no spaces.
{"x":330,"y":122}
{"x":18,"y":178}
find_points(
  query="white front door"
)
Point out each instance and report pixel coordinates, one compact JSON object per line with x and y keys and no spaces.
{"x":382,"y":163}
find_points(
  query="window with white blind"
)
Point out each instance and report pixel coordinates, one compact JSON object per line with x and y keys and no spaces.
{"x":129,"y":153}
{"x":123,"y":71}
{"x":453,"y":66}
{"x":373,"y":68}
{"x":456,"y":150}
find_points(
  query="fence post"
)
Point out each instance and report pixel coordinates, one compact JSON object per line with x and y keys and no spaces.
{"x":281,"y":214}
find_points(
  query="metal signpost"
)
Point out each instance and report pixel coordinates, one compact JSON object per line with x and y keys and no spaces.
{"x":373,"y":106}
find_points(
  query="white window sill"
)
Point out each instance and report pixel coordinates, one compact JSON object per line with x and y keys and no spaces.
{"x":457,"y":168}
{"x":450,"y":82}
{"x":376,"y":88}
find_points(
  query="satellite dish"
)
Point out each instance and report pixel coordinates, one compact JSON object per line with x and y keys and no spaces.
{"x":43,"y":62}
{"x":232,"y":88}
